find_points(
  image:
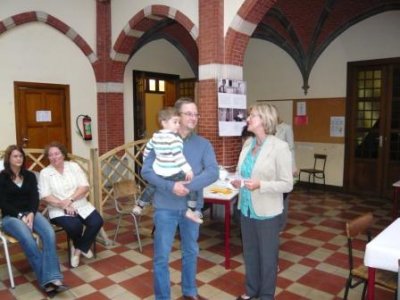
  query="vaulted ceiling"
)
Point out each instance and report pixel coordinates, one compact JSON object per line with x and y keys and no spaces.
{"x":302,"y":28}
{"x":305,"y":28}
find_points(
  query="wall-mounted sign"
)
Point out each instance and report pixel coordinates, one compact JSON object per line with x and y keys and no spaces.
{"x":232,"y":107}
{"x":43,"y":116}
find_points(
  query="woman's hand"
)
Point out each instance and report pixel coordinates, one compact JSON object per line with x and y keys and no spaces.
{"x":65,"y":203}
{"x":28,"y":220}
{"x":70,"y":210}
{"x":252,"y":184}
{"x":236,"y":183}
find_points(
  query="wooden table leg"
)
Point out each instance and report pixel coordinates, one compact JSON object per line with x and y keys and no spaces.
{"x":371,"y":284}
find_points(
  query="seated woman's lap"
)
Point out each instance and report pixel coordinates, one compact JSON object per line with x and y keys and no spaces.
{"x":74,"y":225}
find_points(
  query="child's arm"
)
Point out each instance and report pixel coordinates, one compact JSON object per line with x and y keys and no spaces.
{"x":189,"y":176}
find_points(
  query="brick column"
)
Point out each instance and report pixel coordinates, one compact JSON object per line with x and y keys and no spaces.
{"x":110,"y":98}
{"x":211,"y":60}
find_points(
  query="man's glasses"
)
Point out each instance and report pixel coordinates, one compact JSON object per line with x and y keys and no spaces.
{"x":190,"y":114}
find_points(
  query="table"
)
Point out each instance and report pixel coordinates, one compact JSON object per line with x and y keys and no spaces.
{"x":226,"y":200}
{"x":383,"y":252}
{"x":396,"y":192}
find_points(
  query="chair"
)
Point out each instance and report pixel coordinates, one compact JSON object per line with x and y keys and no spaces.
{"x":6,"y":239}
{"x":318,"y":171}
{"x":125,"y":193}
{"x":359,"y":275}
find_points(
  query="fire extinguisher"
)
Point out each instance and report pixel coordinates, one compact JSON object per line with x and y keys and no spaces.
{"x":86,"y":125}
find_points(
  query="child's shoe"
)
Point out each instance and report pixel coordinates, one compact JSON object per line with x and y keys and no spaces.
{"x":137,"y":210}
{"x":194,"y":216}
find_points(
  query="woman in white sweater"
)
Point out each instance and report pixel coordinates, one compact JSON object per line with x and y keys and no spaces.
{"x":265,"y":166}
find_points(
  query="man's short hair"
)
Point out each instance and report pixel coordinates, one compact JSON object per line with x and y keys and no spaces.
{"x":182,"y":101}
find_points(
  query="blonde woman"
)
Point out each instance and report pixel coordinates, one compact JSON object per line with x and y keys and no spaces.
{"x":265,"y":166}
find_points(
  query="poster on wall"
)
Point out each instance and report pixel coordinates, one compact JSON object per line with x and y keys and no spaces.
{"x":232,"y":107}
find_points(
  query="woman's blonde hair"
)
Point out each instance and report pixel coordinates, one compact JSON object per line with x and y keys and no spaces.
{"x":268,"y":115}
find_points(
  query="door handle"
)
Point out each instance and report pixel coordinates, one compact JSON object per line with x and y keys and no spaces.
{"x":25,"y":141}
{"x":380,"y":141}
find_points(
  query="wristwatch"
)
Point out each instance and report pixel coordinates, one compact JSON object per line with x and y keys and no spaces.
{"x":20,"y":215}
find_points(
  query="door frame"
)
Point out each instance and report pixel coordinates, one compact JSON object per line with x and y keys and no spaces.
{"x":348,"y":172}
{"x":138,"y":103}
{"x":18,"y":85}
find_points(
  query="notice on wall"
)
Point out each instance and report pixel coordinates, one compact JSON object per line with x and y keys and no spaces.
{"x":43,"y":116}
{"x":301,"y":109}
{"x":232,"y":107}
{"x":337,"y":127}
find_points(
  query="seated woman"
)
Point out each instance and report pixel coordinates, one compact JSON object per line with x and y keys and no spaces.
{"x":63,"y":186}
{"x":19,"y":201}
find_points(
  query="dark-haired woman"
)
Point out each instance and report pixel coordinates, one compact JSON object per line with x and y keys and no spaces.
{"x":19,"y":201}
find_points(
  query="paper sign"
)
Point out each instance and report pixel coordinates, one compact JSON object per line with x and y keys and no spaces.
{"x":301,"y":109}
{"x":301,"y":120}
{"x":43,"y":116}
{"x":337,"y":126}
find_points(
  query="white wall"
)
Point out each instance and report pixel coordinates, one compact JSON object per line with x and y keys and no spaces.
{"x":231,"y":7}
{"x":36,"y":52}
{"x":272,"y":74}
{"x":80,"y":15}
{"x":149,"y":59}
{"x":123,"y":10}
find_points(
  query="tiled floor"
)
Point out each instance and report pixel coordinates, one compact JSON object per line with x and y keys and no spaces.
{"x":313,"y":257}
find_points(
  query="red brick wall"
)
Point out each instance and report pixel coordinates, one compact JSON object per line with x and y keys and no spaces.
{"x":211,"y":45}
{"x":110,"y":123}
{"x":110,"y":106}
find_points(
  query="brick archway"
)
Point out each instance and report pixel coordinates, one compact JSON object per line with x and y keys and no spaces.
{"x":128,"y":38}
{"x":242,"y":27}
{"x":43,"y":17}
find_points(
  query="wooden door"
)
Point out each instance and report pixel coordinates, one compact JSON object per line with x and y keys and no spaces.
{"x":142,"y":87}
{"x":154,"y":103}
{"x":372,"y":142}
{"x":42,"y":114}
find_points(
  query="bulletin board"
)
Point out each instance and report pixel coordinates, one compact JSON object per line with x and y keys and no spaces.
{"x":319,"y":113}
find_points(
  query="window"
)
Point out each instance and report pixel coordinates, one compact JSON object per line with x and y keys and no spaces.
{"x":155,"y":85}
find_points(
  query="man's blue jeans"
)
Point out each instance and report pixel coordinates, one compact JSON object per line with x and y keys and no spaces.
{"x":44,"y":262}
{"x":166,"y":222}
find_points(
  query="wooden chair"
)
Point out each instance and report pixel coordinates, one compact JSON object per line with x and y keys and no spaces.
{"x":8,"y":239}
{"x":124,"y":194}
{"x":359,"y":274}
{"x":317,"y":171}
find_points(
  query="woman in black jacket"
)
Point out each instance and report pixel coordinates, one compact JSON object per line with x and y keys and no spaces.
{"x":19,"y":201}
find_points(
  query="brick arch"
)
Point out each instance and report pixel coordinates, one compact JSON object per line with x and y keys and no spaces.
{"x":243,"y":25}
{"x":43,"y":17}
{"x":128,"y":38}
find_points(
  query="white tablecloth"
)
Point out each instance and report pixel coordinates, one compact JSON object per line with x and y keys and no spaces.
{"x":383,"y":252}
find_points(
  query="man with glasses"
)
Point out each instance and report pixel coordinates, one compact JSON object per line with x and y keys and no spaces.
{"x":170,"y":205}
